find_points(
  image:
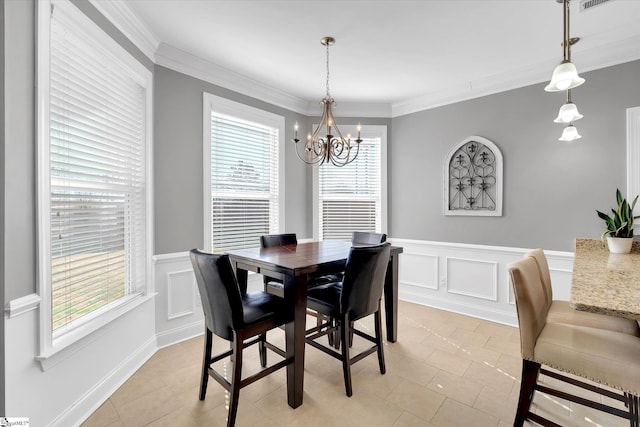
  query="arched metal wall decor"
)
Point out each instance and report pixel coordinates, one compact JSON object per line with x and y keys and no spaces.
{"x":473,"y":178}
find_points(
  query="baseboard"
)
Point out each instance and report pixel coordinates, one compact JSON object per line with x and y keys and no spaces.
{"x":77,"y":413}
{"x":492,"y":315}
{"x":179,"y":334}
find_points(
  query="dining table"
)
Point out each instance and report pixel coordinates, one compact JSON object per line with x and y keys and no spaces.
{"x":295,"y":265}
{"x":604,"y":282}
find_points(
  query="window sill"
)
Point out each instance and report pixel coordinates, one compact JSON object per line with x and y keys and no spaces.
{"x":74,"y":341}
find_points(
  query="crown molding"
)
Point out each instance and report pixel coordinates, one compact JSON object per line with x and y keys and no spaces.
{"x":124,"y":19}
{"x":606,"y":51}
{"x":352,"y":109}
{"x":194,"y":66}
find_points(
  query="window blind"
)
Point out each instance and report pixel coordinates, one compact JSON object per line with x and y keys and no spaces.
{"x":97,"y":178}
{"x":244,"y":182}
{"x":350,"y":196}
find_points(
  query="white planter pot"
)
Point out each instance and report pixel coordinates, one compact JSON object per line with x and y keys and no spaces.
{"x":619,"y":245}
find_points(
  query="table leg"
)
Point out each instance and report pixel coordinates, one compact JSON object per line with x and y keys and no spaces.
{"x":391,"y":299}
{"x":242,"y":275}
{"x":295,"y":292}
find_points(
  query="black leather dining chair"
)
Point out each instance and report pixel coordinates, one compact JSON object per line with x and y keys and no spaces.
{"x":357,"y":238}
{"x":271,"y":285}
{"x":236,"y":318}
{"x":356,"y":297}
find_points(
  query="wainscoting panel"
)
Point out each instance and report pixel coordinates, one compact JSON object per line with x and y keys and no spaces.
{"x":181,"y":294}
{"x":419,"y":270}
{"x":178,"y":316}
{"x":470,"y":279}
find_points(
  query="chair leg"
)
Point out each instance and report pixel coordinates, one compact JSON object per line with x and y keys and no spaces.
{"x":346,"y":363}
{"x":528,"y":381}
{"x":262,"y":348}
{"x":330,"y":337}
{"x":378,"y":329}
{"x":206,"y":361}
{"x":235,"y":380}
{"x":336,"y":334}
{"x":633,"y":410}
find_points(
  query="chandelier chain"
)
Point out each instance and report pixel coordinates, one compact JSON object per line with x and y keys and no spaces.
{"x":328,"y":93}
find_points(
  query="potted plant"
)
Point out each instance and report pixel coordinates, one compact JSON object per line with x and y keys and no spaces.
{"x":619,"y":232}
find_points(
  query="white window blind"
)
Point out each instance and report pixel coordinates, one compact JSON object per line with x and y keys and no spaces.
{"x":350,"y":197}
{"x":245,"y":181}
{"x":97,"y":157}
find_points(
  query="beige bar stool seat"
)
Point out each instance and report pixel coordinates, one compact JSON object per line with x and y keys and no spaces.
{"x":604,"y":356}
{"x":561,"y":311}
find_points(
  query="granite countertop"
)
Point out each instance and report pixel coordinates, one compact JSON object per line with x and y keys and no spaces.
{"x":606,"y":283}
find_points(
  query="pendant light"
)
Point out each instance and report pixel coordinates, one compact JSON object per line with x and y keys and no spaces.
{"x":568,"y":112}
{"x":565,"y":76}
{"x":570,"y":133}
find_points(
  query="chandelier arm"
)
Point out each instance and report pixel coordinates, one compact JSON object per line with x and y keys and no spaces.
{"x":340,"y":162}
{"x":315,"y":160}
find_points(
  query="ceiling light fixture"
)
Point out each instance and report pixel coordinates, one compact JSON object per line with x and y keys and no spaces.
{"x":565,"y":76}
{"x":330,"y":148}
{"x":570,"y":133}
{"x":568,"y":112}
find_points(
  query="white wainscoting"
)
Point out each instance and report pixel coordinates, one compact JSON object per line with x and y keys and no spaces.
{"x":470,"y":279}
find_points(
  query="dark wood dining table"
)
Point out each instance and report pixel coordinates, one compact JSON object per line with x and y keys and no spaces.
{"x":295,"y":265}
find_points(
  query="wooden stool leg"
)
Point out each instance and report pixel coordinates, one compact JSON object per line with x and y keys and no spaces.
{"x":262,"y":348}
{"x":378,"y":329}
{"x":206,"y":361}
{"x":346,"y":363}
{"x":528,"y":381}
{"x":235,"y":380}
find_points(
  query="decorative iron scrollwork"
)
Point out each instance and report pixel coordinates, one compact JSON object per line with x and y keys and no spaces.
{"x":473,"y":174}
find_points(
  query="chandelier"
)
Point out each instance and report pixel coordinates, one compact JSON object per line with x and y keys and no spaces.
{"x":565,"y":77}
{"x":327,"y":144}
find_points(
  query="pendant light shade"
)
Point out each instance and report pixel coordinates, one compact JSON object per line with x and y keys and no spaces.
{"x":568,"y":113}
{"x":570,"y":133}
{"x":565,"y":76}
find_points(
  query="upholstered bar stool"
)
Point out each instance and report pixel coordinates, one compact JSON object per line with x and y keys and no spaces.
{"x":356,"y":297}
{"x":241,"y":319}
{"x":606,"y":357}
{"x":561,"y":311}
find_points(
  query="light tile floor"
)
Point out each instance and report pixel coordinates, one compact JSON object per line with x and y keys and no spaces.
{"x":445,"y":370}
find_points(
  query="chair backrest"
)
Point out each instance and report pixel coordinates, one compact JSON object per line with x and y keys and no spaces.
{"x":219,"y":292}
{"x":545,"y":275}
{"x":269,"y":240}
{"x":531,"y":303}
{"x":368,"y":238}
{"x":363,"y":280}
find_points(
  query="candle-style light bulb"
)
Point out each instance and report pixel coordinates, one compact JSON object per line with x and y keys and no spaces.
{"x":295,"y":128}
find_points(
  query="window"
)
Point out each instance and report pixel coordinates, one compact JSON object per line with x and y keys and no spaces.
{"x":353,"y":197}
{"x":243,"y":174}
{"x":94,"y":186}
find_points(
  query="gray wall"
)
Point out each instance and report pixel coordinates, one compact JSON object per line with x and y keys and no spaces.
{"x":178,"y":175}
{"x":551,"y":188}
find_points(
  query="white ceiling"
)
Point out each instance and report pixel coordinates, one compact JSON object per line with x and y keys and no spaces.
{"x":405,"y":54}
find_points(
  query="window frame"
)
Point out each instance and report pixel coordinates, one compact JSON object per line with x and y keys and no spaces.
{"x":213,"y":103}
{"x":48,"y":345}
{"x":366,"y":131}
